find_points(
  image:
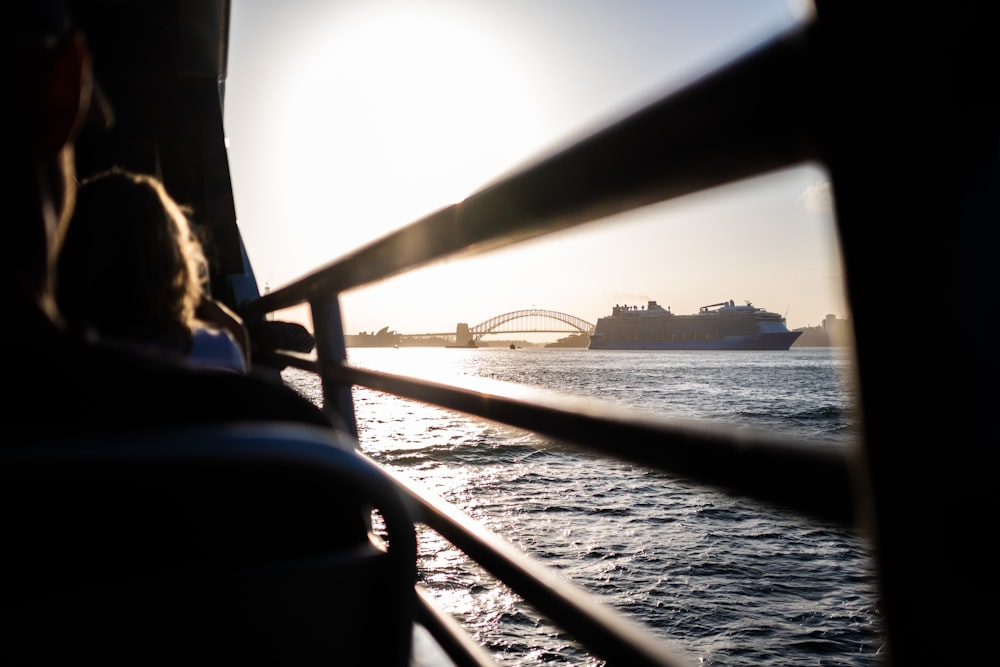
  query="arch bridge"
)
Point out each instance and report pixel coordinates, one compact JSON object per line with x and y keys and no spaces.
{"x":524,"y":321}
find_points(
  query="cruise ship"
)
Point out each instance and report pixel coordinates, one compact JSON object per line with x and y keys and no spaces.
{"x":719,"y":326}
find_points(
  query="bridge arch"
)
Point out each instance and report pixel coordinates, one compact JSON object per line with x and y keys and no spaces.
{"x":540,"y":321}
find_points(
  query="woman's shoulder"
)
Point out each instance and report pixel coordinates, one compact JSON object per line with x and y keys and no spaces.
{"x":215,"y":348}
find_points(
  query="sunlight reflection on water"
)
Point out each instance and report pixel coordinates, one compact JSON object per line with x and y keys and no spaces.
{"x":735,"y":583}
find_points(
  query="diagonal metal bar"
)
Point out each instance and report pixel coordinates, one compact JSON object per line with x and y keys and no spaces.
{"x":602,"y":630}
{"x":812,"y":478}
{"x":749,"y":118}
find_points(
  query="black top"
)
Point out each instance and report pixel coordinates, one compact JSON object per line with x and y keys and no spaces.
{"x":59,"y":383}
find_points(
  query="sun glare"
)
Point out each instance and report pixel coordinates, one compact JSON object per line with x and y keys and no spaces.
{"x":422,"y":101}
{"x":362,"y":118}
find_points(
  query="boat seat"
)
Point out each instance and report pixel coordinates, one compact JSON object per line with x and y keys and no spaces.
{"x":244,"y":544}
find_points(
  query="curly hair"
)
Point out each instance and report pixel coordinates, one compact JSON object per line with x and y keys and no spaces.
{"x":131,"y":268}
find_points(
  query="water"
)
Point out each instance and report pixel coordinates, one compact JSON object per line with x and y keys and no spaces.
{"x":731,"y":582}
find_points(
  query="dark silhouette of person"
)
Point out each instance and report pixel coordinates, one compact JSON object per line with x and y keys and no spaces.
{"x":66,"y":383}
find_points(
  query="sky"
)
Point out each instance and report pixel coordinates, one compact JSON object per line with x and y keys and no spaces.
{"x":347,"y":119}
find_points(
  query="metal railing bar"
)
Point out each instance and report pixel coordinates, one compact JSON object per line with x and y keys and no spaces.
{"x":746,"y":119}
{"x":601,"y":630}
{"x":283,"y":358}
{"x":604,"y":631}
{"x":451,"y":636}
{"x":328,"y":323}
{"x":813,"y":479}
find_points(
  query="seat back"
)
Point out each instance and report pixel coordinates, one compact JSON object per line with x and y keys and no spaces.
{"x":238,"y":543}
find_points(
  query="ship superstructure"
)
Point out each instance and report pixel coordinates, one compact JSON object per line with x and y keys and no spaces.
{"x":719,"y":326}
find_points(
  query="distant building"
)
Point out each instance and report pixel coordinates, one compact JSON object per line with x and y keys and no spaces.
{"x":839,"y":331}
{"x":832,"y":332}
{"x":381,"y":338}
